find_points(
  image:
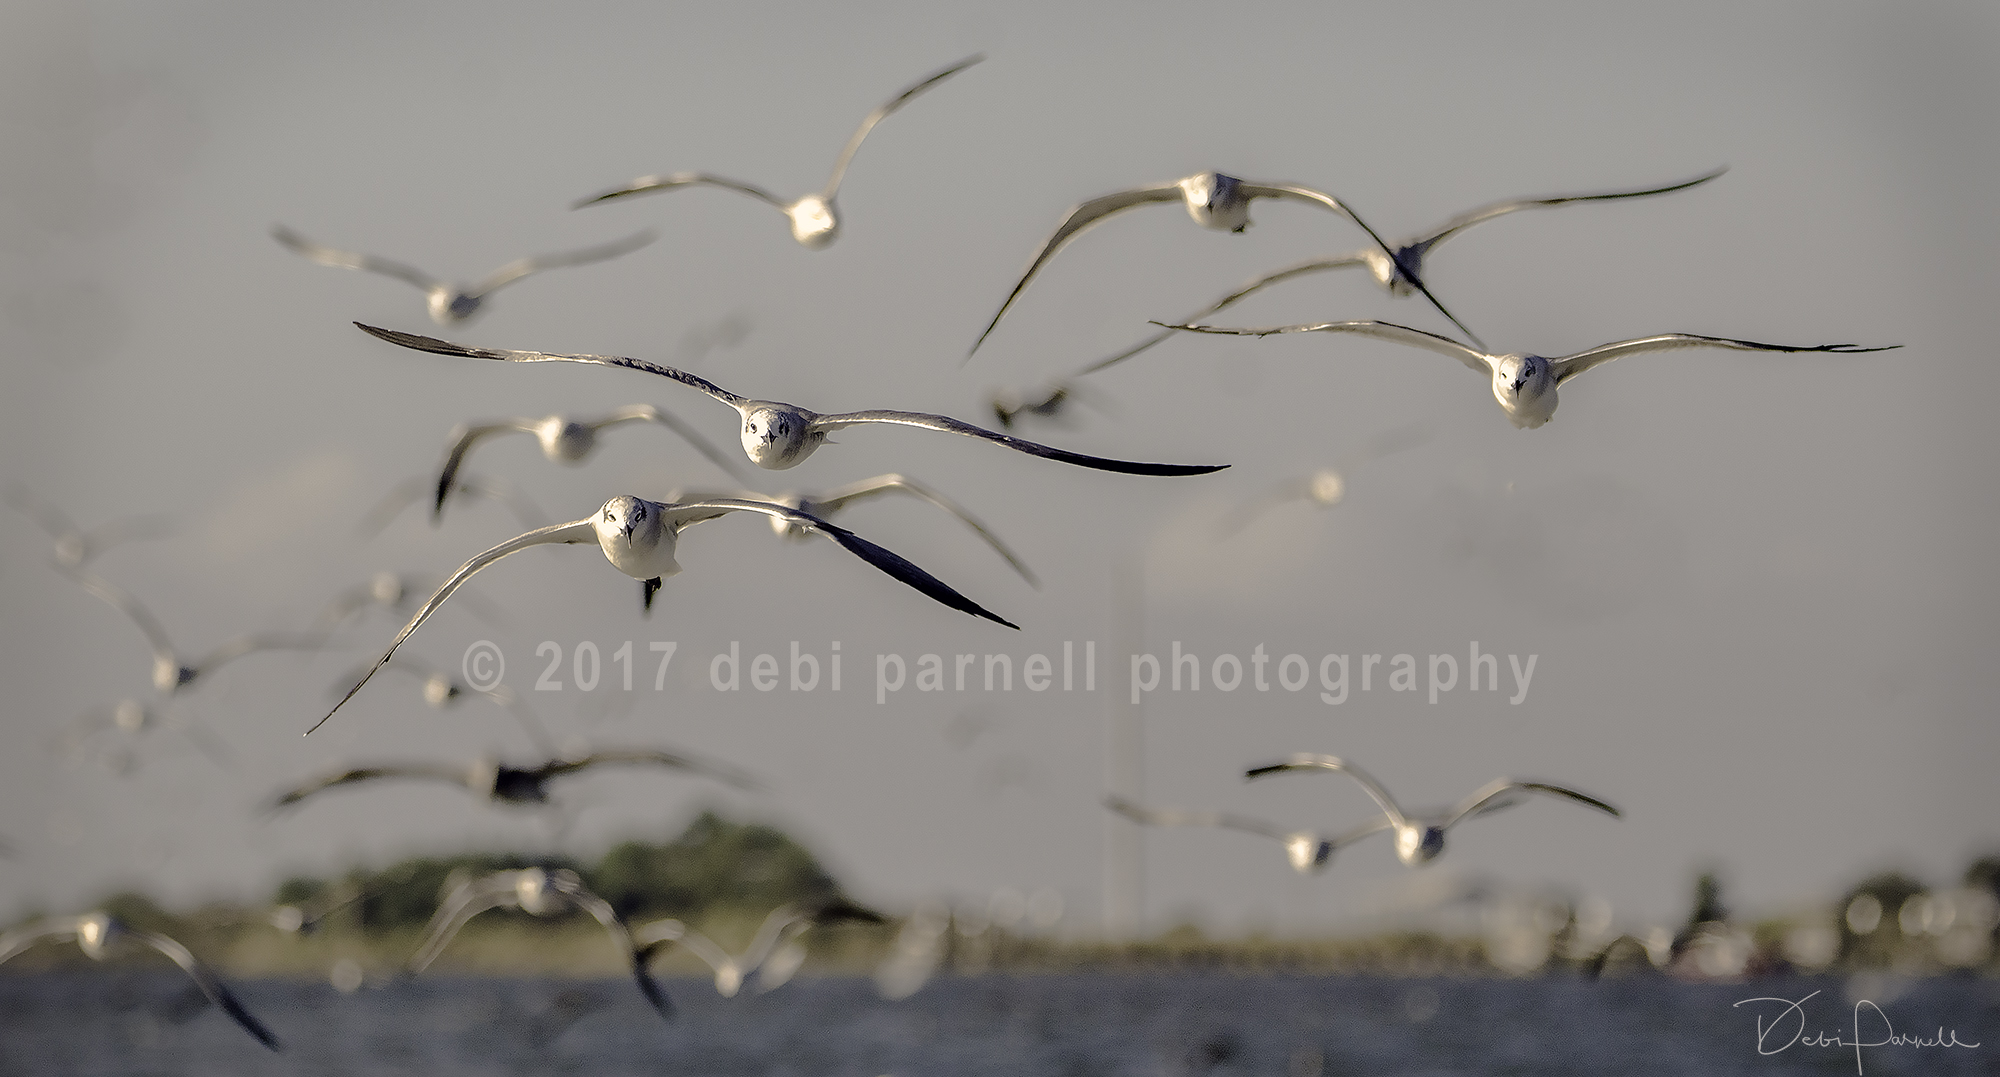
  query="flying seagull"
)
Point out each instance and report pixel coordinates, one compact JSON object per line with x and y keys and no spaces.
{"x":1398,"y":269}
{"x":538,"y":893}
{"x":638,"y":538}
{"x":1213,"y":200}
{"x":1419,"y":840}
{"x":75,"y":547}
{"x":1310,"y":852}
{"x":566,"y":440}
{"x":778,"y":435}
{"x":1525,"y":385}
{"x":825,"y":503}
{"x":171,"y":672}
{"x":452,"y":303}
{"x":504,"y":784}
{"x":95,"y":933}
{"x":815,"y":218}
{"x":773,"y":954}
{"x":1327,"y":486}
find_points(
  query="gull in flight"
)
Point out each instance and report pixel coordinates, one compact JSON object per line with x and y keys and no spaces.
{"x":451,"y":303}
{"x":1310,"y":852}
{"x":776,"y":435}
{"x":171,"y":672}
{"x":131,"y":720}
{"x":773,"y":955}
{"x":638,"y":537}
{"x":1525,"y":385}
{"x":825,"y":503}
{"x":1399,"y":270}
{"x":538,"y":893}
{"x":1326,"y":487}
{"x":1213,"y":200}
{"x":815,"y":218}
{"x":75,"y":547}
{"x":1420,"y":839}
{"x":412,"y":490}
{"x":503,"y":784}
{"x":441,"y":691}
{"x":98,"y":932}
{"x":567,"y":441}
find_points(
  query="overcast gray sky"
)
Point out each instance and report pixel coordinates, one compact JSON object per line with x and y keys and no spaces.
{"x":1758,"y":589}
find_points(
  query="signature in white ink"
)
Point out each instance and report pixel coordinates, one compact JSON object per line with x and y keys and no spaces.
{"x":1800,"y":1037}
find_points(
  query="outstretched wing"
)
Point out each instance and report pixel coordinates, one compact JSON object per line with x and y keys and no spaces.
{"x":328,"y":256}
{"x":649,"y":413}
{"x":673,"y":180}
{"x":216,"y":991}
{"x":1500,"y":789}
{"x":1569,"y":366}
{"x":454,"y":775}
{"x":1316,"y":266}
{"x":1080,"y":217}
{"x":1497,"y":209}
{"x":881,"y":484}
{"x":881,"y":113}
{"x":445,"y":347}
{"x":466,"y":901}
{"x":635,"y":958}
{"x":954,"y":426}
{"x":1175,"y":817}
{"x":463,"y":437}
{"x":648,"y":757}
{"x":886,"y":560}
{"x":13,"y":943}
{"x":1311,"y":761}
{"x":576,"y":531}
{"x":116,"y":597}
{"x":1400,"y":334}
{"x":521,"y":267}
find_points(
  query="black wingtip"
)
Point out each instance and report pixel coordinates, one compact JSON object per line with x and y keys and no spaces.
{"x":250,"y":1023}
{"x":655,"y":994}
{"x":1258,"y":772}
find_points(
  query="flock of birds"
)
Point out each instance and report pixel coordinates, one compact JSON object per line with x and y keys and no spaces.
{"x":638,"y":537}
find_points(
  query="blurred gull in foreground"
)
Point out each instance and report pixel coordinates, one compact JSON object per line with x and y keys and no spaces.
{"x":776,"y":435}
{"x":96,"y":933}
{"x":773,"y":955}
{"x":638,"y":537}
{"x":1419,"y":840}
{"x":1213,"y":200}
{"x":1310,"y":852}
{"x":171,"y":672}
{"x":1400,"y":270}
{"x":538,"y":893}
{"x":75,"y":547}
{"x":815,"y":219}
{"x":504,"y":784}
{"x":1525,"y":385}
{"x":450,"y":303}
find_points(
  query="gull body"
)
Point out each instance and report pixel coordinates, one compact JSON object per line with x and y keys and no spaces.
{"x":1398,"y":268}
{"x":171,"y":672}
{"x":638,"y":538}
{"x":1419,"y":839}
{"x":772,"y":956}
{"x":447,"y":302}
{"x":1525,"y":385}
{"x":1309,"y":852}
{"x":815,"y":218}
{"x":1212,"y":199}
{"x":537,"y":892}
{"x":567,"y":440}
{"x":73,"y":546}
{"x":777,"y":435}
{"x":98,"y":934}
{"x":502,"y":783}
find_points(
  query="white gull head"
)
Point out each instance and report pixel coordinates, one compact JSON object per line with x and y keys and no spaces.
{"x":1525,"y":386}
{"x":636,"y":539}
{"x":777,"y":436}
{"x":1213,"y":200}
{"x":565,"y":440}
{"x":815,"y":221}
